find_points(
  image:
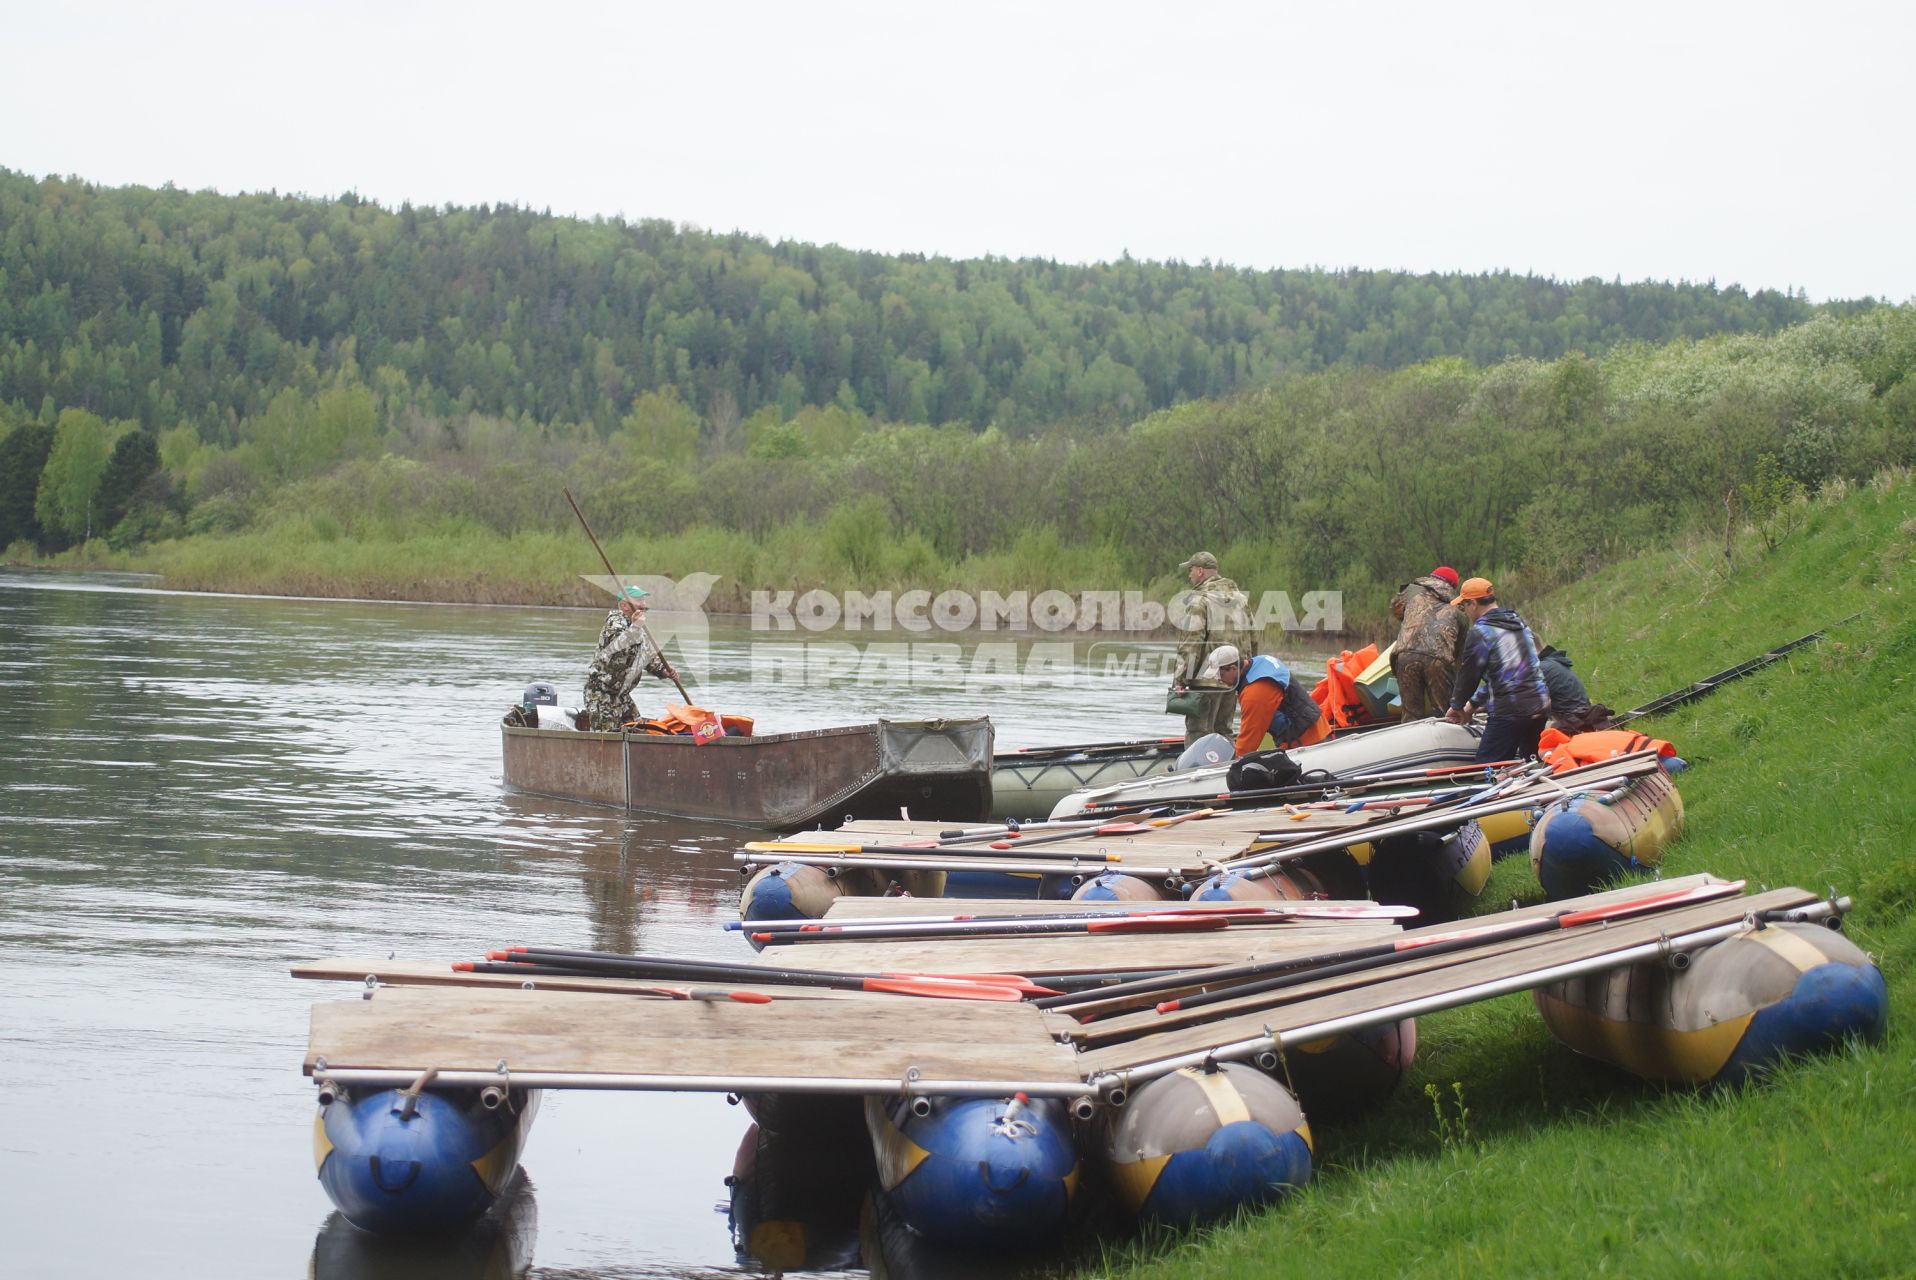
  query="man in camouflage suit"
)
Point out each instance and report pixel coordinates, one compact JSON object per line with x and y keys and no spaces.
{"x":1213,"y":612}
{"x":1425,"y":657}
{"x":621,"y":658}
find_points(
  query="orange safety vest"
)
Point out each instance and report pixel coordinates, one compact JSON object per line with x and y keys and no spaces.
{"x":1337,"y":691}
{"x":678,"y":719}
{"x":1563,"y":752}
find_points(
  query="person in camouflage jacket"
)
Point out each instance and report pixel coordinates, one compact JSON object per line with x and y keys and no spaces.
{"x":616,"y":668}
{"x":1424,"y":659}
{"x":1213,"y":612}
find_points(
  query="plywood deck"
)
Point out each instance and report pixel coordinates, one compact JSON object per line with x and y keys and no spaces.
{"x":600,"y":1034}
{"x":1036,"y":956}
{"x":875,"y":1038}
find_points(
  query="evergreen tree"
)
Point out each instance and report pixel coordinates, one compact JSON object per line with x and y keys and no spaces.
{"x":135,"y":458}
{"x":23,"y":456}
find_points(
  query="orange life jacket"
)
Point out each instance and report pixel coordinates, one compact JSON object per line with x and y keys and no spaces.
{"x":678,"y":719}
{"x":1563,"y":752}
{"x":1337,"y":691}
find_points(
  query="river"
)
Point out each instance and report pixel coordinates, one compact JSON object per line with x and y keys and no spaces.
{"x":199,"y":791}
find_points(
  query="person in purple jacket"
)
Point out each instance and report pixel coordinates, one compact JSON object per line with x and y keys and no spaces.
{"x":1500,"y":652}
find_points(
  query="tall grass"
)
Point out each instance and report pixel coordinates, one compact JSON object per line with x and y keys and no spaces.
{"x":1569,"y":1168}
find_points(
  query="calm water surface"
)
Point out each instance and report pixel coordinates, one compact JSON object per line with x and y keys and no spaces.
{"x":198,"y":791}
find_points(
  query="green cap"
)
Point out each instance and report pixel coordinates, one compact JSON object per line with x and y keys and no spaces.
{"x":635,"y":593}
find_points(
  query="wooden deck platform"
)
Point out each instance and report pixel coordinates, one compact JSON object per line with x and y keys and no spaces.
{"x":1184,"y":847}
{"x":593,"y":1033}
{"x":869,"y":1045}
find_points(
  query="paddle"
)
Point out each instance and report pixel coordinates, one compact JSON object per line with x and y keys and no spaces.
{"x":1345,"y":785}
{"x":607,"y":562}
{"x":1385,"y":953}
{"x":708,"y":993}
{"x":908,"y":986}
{"x":951,"y":987}
{"x":1158,"y":922}
{"x":1005,"y":840}
{"x":914,"y":853}
{"x":1316,"y":910}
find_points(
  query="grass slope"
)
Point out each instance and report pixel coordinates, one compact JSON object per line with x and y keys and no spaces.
{"x":1505,"y":1154}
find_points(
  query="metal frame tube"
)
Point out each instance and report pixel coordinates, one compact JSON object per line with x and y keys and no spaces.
{"x":1060,"y":866}
{"x":388,"y":1077}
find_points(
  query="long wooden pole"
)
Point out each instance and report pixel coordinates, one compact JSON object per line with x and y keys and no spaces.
{"x":607,"y":562}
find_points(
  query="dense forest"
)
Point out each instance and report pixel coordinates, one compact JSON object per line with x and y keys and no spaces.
{"x":165,"y":307}
{"x":284,"y":375}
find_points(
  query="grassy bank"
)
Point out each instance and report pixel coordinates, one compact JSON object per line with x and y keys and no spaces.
{"x":1505,"y":1154}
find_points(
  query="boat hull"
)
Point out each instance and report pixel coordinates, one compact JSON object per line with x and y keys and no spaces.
{"x":937,"y":768}
{"x":1028,"y":785}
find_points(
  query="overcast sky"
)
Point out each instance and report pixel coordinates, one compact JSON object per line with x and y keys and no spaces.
{"x":1756,"y":143}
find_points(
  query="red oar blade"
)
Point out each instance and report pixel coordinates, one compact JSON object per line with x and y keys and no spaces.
{"x":717,"y":993}
{"x":1010,"y":981}
{"x":1655,"y":902}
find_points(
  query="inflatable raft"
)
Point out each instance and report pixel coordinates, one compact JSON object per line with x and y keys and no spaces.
{"x":1030,"y":783}
{"x":419,"y":1161}
{"x":1199,"y":1144}
{"x":1584,"y":841}
{"x":1731,"y":1010}
{"x":1421,"y":744}
{"x":986,"y":1174}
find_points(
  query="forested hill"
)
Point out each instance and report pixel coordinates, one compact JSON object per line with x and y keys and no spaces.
{"x":173,"y":308}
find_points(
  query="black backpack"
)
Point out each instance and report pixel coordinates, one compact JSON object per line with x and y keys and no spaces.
{"x":1262,"y":770}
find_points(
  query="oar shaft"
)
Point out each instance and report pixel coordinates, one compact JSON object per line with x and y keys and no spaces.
{"x":1158,"y":923}
{"x":718,"y":971}
{"x":620,"y":582}
{"x":1381,"y":954}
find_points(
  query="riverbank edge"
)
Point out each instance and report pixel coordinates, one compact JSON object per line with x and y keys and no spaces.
{"x":1504,"y":1153}
{"x":732,"y":601}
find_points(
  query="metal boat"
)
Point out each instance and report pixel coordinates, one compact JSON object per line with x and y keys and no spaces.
{"x":782,"y":781}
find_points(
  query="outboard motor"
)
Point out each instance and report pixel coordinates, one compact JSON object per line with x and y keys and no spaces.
{"x":539,"y":694}
{"x":1212,"y":748}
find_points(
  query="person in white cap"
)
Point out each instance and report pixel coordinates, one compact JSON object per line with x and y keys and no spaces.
{"x":1269,"y":699}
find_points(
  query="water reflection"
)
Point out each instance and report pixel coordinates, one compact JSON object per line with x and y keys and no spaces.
{"x":497,"y":1247}
{"x":199,"y":791}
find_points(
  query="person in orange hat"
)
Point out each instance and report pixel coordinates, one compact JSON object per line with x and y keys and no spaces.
{"x":1501,"y":653}
{"x":1424,"y":658}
